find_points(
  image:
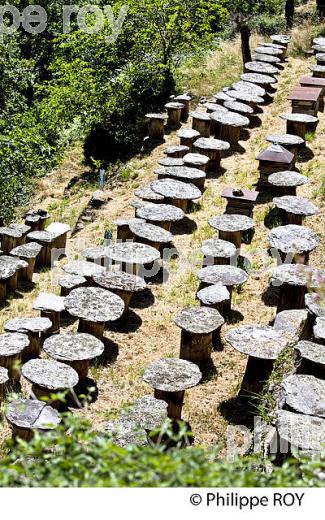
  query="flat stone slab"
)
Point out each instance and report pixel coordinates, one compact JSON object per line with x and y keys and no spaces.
{"x":25,"y":325}
{"x":300,"y":118}
{"x":174,"y":105}
{"x":213,"y":294}
{"x":317,"y":68}
{"x":73,"y":347}
{"x":51,"y":375}
{"x":147,"y":412}
{"x":320,"y":57}
{"x":241,"y":108}
{"x":260,"y":342}
{"x":120,"y":281}
{"x":49,"y":302}
{"x":32,"y":414}
{"x":319,"y":48}
{"x":261,"y":68}
{"x":281,"y":38}
{"x":95,"y":254}
{"x":259,"y":79}
{"x":161,"y":117}
{"x":160,"y":213}
{"x":126,"y":221}
{"x":12,"y":344}
{"x":94,"y":304}
{"x":227,"y":275}
{"x":172,"y":375}
{"x":286,"y":140}
{"x":232,"y":223}
{"x":302,"y":431}
{"x":173,"y":189}
{"x":4,"y":376}
{"x":319,"y":329}
{"x":230,"y":119}
{"x":311,"y":351}
{"x":187,"y":133}
{"x":297,"y":274}
{"x":151,"y":232}
{"x":29,"y":250}
{"x":292,"y":322}
{"x":305,"y":394}
{"x":10,"y":232}
{"x":272,"y":51}
{"x":266,"y":58}
{"x":196,"y":159}
{"x":251,"y":88}
{"x":126,"y":433}
{"x":14,"y":261}
{"x":82,"y":268}
{"x":287,"y":179}
{"x":199,"y":320}
{"x":296,"y":205}
{"x":6,"y":270}
{"x":315,"y":305}
{"x":146,"y":193}
{"x":245,"y":95}
{"x":214,"y":107}
{"x":44,"y":237}
{"x":211,"y":144}
{"x":319,"y":40}
{"x":58,"y":228}
{"x":178,"y":148}
{"x":133,"y":253}
{"x":183,"y":173}
{"x":222,"y":96}
{"x":70,"y":281}
{"x":217,"y":248}
{"x":170,"y":162}
{"x":293,"y":239}
{"x":202,"y":116}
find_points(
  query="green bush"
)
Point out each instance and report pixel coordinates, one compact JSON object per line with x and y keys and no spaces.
{"x":267,"y":24}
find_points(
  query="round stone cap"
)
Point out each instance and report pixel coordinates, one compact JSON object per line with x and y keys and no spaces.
{"x":245,"y":95}
{"x":160,"y":213}
{"x":266,"y":58}
{"x":174,"y":105}
{"x":287,"y":179}
{"x":12,"y":344}
{"x":214,"y":107}
{"x":199,"y":320}
{"x":29,"y":250}
{"x":320,"y":57}
{"x":6,"y":270}
{"x":133,"y":253}
{"x":151,"y":232}
{"x":202,"y":116}
{"x":70,"y":281}
{"x":305,"y":394}
{"x":95,"y":253}
{"x":217,"y":248}
{"x":120,"y":281}
{"x":41,"y":236}
{"x":170,"y":162}
{"x":147,"y":412}
{"x":319,"y":329}
{"x":126,"y":221}
{"x":319,"y":40}
{"x":213,"y":294}
{"x":232,"y":223}
{"x":317,"y":68}
{"x":315,"y":305}
{"x":251,"y":88}
{"x":94,"y":304}
{"x":227,"y":275}
{"x":25,"y":325}
{"x":173,"y":189}
{"x":293,"y":239}
{"x":311,"y":351}
{"x":196,"y":158}
{"x":302,"y":431}
{"x":297,"y":274}
{"x":172,"y":375}
{"x":32,"y":414}
{"x":260,"y":79}
{"x":260,"y":342}
{"x":230,"y":119}
{"x":162,"y":117}
{"x":241,"y":108}
{"x":187,"y":133}
{"x":211,"y":144}
{"x":4,"y":376}
{"x":222,"y":96}
{"x":10,"y":232}
{"x":73,"y":347}
{"x":261,"y":68}
{"x":50,"y":374}
{"x":183,"y":173}
{"x":296,"y":205}
{"x":82,"y":268}
{"x":14,"y":261}
{"x":179,"y":148}
{"x":272,"y":51}
{"x":299,"y":118}
{"x":49,"y":302}
{"x":286,"y":140}
{"x":146,"y":193}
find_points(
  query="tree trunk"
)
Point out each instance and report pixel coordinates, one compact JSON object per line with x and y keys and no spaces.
{"x":245,"y":34}
{"x":321,"y":8}
{"x":290,"y":12}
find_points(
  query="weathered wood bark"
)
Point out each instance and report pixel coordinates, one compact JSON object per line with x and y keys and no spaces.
{"x":91,"y":327}
{"x":175,"y":401}
{"x":196,"y":347}
{"x":291,"y":297}
{"x":245,"y":34}
{"x":290,"y":12}
{"x":256,"y":374}
{"x":55,"y":318}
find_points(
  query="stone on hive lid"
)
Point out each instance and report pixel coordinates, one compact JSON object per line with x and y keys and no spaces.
{"x":301,"y":431}
{"x":94,"y":304}
{"x":286,"y":140}
{"x":297,"y":274}
{"x":82,"y":268}
{"x":259,"y":79}
{"x":32,"y":414}
{"x":241,"y":108}
{"x":73,"y":347}
{"x":151,"y":232}
{"x":176,"y":149}
{"x":222,"y":96}
{"x":25,"y":325}
{"x":250,"y":88}
{"x":260,"y":342}
{"x":296,"y":205}
{"x":299,"y":118}
{"x":276,"y":153}
{"x":214,"y":107}
{"x":319,"y":40}
{"x":292,"y":322}
{"x":49,"y":302}
{"x":133,"y":253}
{"x":272,"y":51}
{"x":205,"y":143}
{"x":232,"y":223}
{"x":227,"y":275}
{"x":315,"y":305}
{"x":12,"y":344}
{"x":293,"y":239}
{"x":70,"y":281}
{"x":260,"y":67}
{"x":45,"y":237}
{"x":170,"y":162}
{"x":311,"y":352}
{"x":305,"y":394}
{"x":230,"y":119}
{"x":187,"y":133}
{"x":120,"y":281}
{"x":95,"y":254}
{"x":156,"y":116}
{"x":317,"y":69}
{"x":213,"y":295}
{"x":172,"y":375}
{"x":196,"y":159}
{"x":11,"y":232}
{"x":147,"y":412}
{"x":51,"y":375}
{"x":266,"y":58}
{"x":199,"y":320}
{"x":160,"y":213}
{"x":173,"y":189}
{"x":15,"y":262}
{"x":320,"y":57}
{"x":246,"y":95}
{"x":202,"y":116}
{"x":184,"y":173}
{"x":58,"y":228}
{"x":146,"y":193}
{"x":287,"y":178}
{"x":217,"y":248}
{"x":319,"y":330}
{"x":29,"y":250}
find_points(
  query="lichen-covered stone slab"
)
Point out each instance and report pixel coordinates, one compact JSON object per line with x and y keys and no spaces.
{"x":49,"y":302}
{"x":15,"y":262}
{"x":266,"y":58}
{"x":161,"y":117}
{"x":94,"y":304}
{"x":133,"y":253}
{"x":259,"y":79}
{"x":305,"y":394}
{"x":315,"y":304}
{"x":312,"y":352}
{"x":299,"y":118}
{"x":6,"y":270}
{"x":320,"y":57}
{"x":199,"y":320}
{"x":73,"y":347}
{"x":126,"y":433}
{"x":319,"y":40}
{"x":29,"y":250}
{"x":160,"y":213}
{"x":183,"y":173}
{"x":44,"y":237}
{"x":173,"y":189}
{"x":126,"y":221}
{"x":297,"y":274}
{"x":172,"y":375}
{"x":177,"y":148}
{"x":95,"y":254}
{"x":25,"y":325}
{"x":151,"y":232}
{"x":10,"y":232}
{"x":272,"y":51}
{"x":30,"y":414}
{"x":230,"y":119}
{"x":120,"y":281}
{"x":196,"y":159}
{"x":296,"y":205}
{"x":317,"y":68}
{"x":286,"y":139}
{"x":187,"y":133}
{"x":222,"y":96}
{"x":283,"y":39}
{"x":261,"y":68}
{"x":170,"y":162}
{"x":147,"y":412}
{"x":51,"y":375}
{"x":217,"y":248}
{"x":146,"y":193}
{"x":260,"y":342}
{"x":71,"y":281}
{"x":4,"y":376}
{"x":232,"y":223}
{"x":251,"y":88}
{"x":292,"y":322}
{"x":287,"y":179}
{"x":211,"y":144}
{"x":12,"y":344}
{"x":82,"y":268}
{"x":293,"y":239}
{"x":213,"y":295}
{"x":202,"y":116}
{"x":302,"y":431}
{"x":214,"y":107}
{"x":241,"y":108}
{"x":245,"y":95}
{"x":319,"y":329}
{"x":227,"y":275}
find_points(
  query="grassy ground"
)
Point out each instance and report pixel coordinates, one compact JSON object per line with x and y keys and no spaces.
{"x":148,"y":332}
